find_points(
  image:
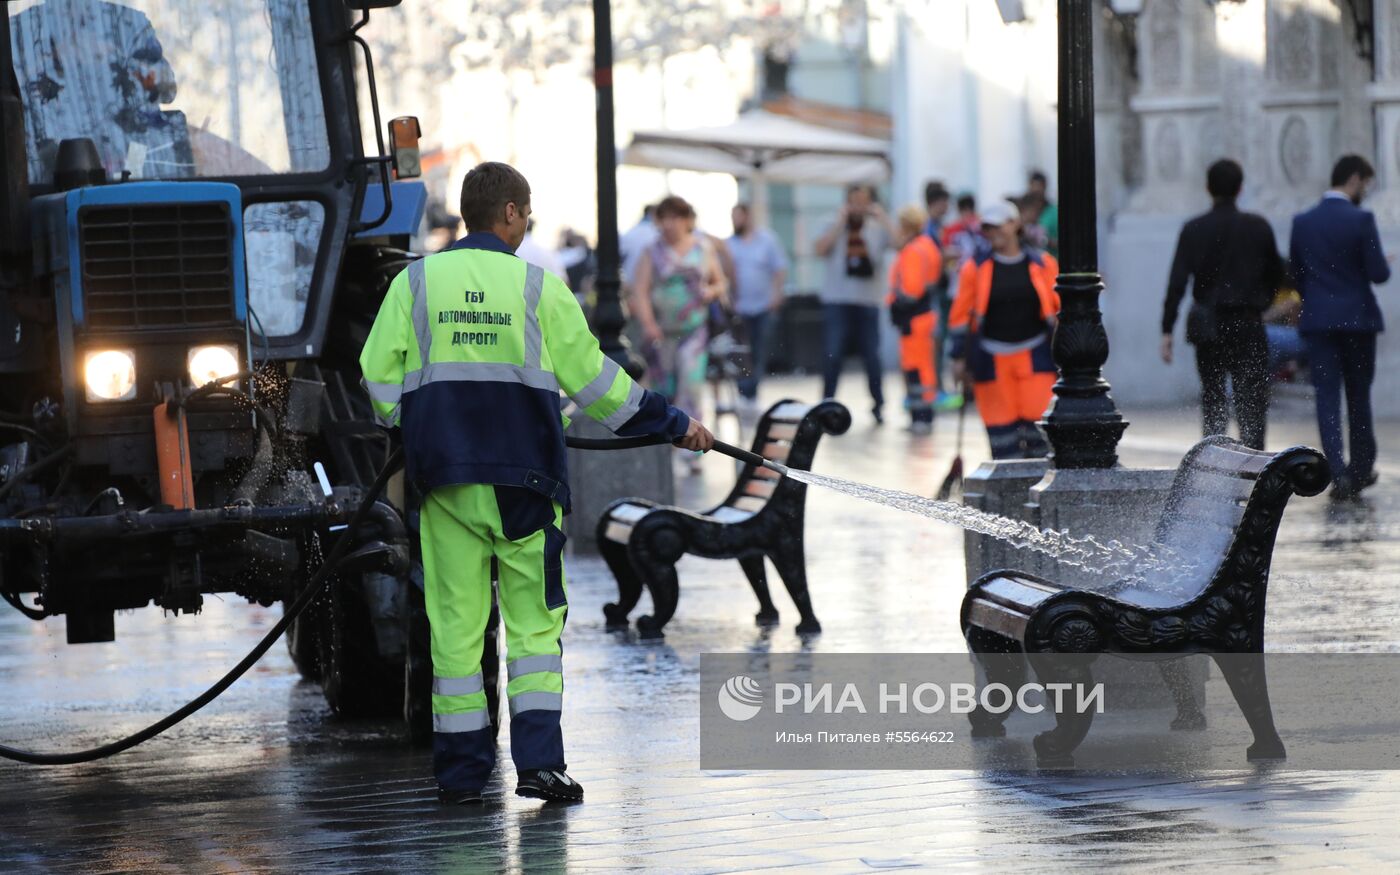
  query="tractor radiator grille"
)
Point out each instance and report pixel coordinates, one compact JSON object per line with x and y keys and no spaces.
{"x":156,"y":265}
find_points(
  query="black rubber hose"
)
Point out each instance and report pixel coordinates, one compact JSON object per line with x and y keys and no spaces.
{"x":652,"y":440}
{"x":42,"y":465}
{"x":313,"y":589}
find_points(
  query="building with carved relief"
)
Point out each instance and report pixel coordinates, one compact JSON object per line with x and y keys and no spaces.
{"x":1282,"y":86}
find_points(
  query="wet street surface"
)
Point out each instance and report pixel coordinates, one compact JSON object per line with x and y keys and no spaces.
{"x":265,"y":779}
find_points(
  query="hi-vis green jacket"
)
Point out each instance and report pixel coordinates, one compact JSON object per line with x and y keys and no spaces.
{"x":468,"y":354}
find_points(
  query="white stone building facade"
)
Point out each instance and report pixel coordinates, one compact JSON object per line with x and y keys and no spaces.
{"x":1282,"y":86}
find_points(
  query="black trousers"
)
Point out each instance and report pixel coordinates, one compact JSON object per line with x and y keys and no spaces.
{"x":1239,"y":351}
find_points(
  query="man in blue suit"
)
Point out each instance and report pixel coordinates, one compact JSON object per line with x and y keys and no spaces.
{"x":1335,"y":252}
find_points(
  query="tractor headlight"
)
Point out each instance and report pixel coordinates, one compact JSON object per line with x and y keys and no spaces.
{"x":214,"y":362}
{"x":110,"y":374}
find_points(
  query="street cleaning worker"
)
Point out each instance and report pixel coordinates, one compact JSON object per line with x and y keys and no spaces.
{"x":467,"y":356}
{"x":1000,"y":328}
{"x":914,"y":279}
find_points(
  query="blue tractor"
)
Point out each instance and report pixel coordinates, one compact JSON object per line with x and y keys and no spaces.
{"x":193,"y":245}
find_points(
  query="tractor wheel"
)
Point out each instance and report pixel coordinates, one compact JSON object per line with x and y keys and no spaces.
{"x":302,"y":644}
{"x":357,"y":679}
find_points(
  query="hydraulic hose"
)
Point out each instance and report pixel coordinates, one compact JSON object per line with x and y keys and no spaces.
{"x":313,"y":589}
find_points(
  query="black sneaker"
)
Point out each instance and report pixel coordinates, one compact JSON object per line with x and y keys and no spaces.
{"x":879,"y":415}
{"x":552,"y":785}
{"x":458,"y":797}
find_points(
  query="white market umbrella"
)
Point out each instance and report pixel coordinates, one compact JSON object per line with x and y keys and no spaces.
{"x":765,"y":147}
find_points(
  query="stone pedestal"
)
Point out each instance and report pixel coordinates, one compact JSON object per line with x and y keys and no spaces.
{"x":1000,"y":488}
{"x":1107,"y":503}
{"x":597,"y":478}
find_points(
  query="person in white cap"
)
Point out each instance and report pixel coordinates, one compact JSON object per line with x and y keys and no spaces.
{"x":1000,"y":328}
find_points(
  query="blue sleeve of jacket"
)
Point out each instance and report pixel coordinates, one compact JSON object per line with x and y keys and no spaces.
{"x":656,"y":417}
{"x":1377,"y":268}
{"x":1296,"y":269}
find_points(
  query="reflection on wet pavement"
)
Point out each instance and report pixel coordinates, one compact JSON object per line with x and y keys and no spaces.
{"x":265,"y":780}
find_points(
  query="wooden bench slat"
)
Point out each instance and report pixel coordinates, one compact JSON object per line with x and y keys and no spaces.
{"x":730,"y":515}
{"x":776,"y":451}
{"x":1019,"y":593}
{"x":749,"y":503}
{"x":760,"y":488}
{"x":767,"y":474}
{"x":793,"y":411}
{"x":1195,"y":511}
{"x":619,"y":533}
{"x":995,"y":618}
{"x":781,"y":432}
{"x":1211,"y":482}
{"x":1236,"y":461}
{"x":629,"y":513}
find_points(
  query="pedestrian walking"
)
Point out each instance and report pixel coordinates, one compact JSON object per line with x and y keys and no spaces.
{"x":936,"y":199}
{"x":760,"y":272}
{"x":1048,"y":216}
{"x":1335,"y":254}
{"x":467,"y":356}
{"x":854,"y":244}
{"x":962,"y":238}
{"x":1000,"y":332}
{"x":914,"y":281}
{"x":1231,"y":260}
{"x":678,"y":278}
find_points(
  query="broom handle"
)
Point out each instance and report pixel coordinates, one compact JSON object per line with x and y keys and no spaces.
{"x":962,"y":417}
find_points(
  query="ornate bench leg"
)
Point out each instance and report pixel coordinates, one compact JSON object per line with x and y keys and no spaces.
{"x":1188,"y":712}
{"x":1250,"y":686}
{"x":758,"y":579}
{"x":791,"y":561}
{"x":629,"y":585}
{"x":664,"y":585}
{"x":655,"y":551}
{"x":1001,"y":665}
{"x":1055,"y":747}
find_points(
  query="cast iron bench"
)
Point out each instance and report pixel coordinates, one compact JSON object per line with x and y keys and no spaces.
{"x":763,"y":516}
{"x":1223,"y":509}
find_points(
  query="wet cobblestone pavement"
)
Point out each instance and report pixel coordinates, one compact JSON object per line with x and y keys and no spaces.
{"x":266,"y":780}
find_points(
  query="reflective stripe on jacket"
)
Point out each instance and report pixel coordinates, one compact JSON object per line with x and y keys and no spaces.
{"x":975,"y":290}
{"x":468,"y":355}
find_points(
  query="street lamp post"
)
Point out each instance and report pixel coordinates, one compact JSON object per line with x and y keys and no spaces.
{"x":1083,"y":424}
{"x":608,"y":319}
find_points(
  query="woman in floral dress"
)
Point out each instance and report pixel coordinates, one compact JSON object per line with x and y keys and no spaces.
{"x":677,"y":279}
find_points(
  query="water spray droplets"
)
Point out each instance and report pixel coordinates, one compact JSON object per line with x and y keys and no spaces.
{"x":1114,"y":560}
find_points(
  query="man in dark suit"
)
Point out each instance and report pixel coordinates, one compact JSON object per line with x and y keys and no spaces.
{"x":1336,"y":255}
{"x":1232,"y":261}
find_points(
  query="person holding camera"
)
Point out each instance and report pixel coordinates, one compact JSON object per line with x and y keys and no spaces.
{"x":853,"y":245}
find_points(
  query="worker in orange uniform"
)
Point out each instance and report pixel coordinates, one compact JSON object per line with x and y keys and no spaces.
{"x":914,"y":279}
{"x":1000,"y":328}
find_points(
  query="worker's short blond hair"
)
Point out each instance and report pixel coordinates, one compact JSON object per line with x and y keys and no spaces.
{"x":912,"y":218}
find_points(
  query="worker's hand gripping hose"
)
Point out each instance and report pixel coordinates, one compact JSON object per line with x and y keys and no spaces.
{"x":312,"y":590}
{"x":308,"y":595}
